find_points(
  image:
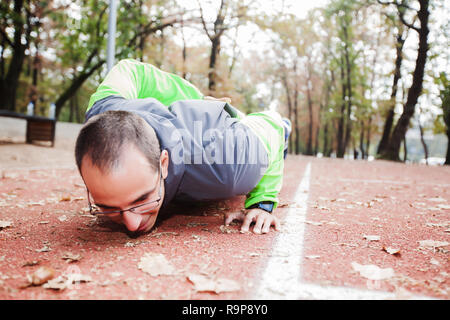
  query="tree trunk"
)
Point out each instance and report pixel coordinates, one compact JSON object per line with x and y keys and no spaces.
{"x":368,"y":137}
{"x":325,"y":140}
{"x":361,"y":141}
{"x":212,"y":73}
{"x":340,"y":134}
{"x":348,"y":130}
{"x":397,"y":75}
{"x":297,"y":129}
{"x":74,"y":86}
{"x":392,"y":151}
{"x":447,"y":158}
{"x":8,"y":85}
{"x":289,"y":102}
{"x":424,"y":144}
{"x":310,"y":126}
{"x":405,"y":155}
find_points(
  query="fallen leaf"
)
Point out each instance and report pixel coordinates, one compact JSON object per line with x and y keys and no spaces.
{"x":196,"y":224}
{"x":5,"y":224}
{"x":314,"y":223}
{"x":62,"y":218}
{"x":156,"y":264}
{"x":204,"y":283}
{"x":437,"y":199}
{"x":435,"y":262}
{"x":71,"y":257}
{"x":42,"y":275}
{"x":254,"y":254}
{"x":64,"y":198}
{"x":43,"y":249}
{"x":372,"y":272}
{"x":371,"y":238}
{"x":390,"y":250}
{"x":444,"y":224}
{"x":160,"y":234}
{"x":227,"y":229}
{"x":31,"y":263}
{"x":433,"y":244}
{"x":66,"y":280}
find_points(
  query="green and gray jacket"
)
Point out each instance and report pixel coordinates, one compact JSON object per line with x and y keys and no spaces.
{"x":213,"y":154}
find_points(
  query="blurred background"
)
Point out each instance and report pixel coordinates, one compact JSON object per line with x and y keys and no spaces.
{"x":358,"y":79}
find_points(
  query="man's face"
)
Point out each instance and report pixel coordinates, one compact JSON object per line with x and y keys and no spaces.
{"x":133,"y":183}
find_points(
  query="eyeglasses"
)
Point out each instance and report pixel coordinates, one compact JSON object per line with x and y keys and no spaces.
{"x":140,"y":209}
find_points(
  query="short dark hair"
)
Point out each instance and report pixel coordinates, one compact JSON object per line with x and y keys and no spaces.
{"x":104,"y":137}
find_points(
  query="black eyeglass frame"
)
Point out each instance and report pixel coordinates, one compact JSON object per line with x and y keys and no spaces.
{"x":93,"y":211}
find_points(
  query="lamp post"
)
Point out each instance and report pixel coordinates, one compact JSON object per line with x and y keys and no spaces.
{"x":110,"y":53}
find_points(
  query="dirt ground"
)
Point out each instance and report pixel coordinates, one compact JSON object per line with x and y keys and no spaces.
{"x":15,"y":153}
{"x":371,"y":229}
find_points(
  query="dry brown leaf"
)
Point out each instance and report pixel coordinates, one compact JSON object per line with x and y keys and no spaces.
{"x":371,"y":237}
{"x":5,"y":224}
{"x":31,"y":263}
{"x":66,"y":280}
{"x":227,"y":229}
{"x":390,"y":250}
{"x":437,"y":199}
{"x":156,"y":264}
{"x":373,"y":272}
{"x":45,"y":248}
{"x":42,"y":275}
{"x":196,"y":224}
{"x":71,"y":257}
{"x":167,"y":233}
{"x":204,"y":283}
{"x":433,"y":244}
{"x":314,"y":223}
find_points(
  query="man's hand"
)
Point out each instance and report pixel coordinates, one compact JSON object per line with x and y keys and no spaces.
{"x":263,"y":220}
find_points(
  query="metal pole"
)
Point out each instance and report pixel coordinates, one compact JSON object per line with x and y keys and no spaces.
{"x":111,"y":34}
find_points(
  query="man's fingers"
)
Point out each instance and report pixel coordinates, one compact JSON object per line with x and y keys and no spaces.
{"x":268,"y":222}
{"x":259,"y":223}
{"x":247,"y":221}
{"x":233,"y":216}
{"x":277,"y":224}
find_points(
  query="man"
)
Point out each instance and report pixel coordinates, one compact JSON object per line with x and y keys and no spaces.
{"x":151,"y":137}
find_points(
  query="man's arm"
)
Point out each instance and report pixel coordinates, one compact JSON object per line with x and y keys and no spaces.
{"x":132,"y":79}
{"x":268,"y":127}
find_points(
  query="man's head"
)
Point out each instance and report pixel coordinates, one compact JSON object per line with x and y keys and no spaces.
{"x":119,"y":158}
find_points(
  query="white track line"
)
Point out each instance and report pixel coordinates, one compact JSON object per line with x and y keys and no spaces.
{"x":281,"y":279}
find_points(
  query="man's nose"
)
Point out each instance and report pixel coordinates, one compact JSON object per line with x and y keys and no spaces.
{"x":132,"y":220}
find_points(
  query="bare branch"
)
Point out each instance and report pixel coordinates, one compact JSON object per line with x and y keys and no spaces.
{"x":409,"y":25}
{"x":204,"y":22}
{"x":5,"y":36}
{"x":395,"y":3}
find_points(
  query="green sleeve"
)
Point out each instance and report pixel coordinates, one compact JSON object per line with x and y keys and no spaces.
{"x":132,"y":79}
{"x":269,"y":186}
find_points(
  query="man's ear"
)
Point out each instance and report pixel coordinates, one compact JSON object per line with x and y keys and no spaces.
{"x":165,"y":163}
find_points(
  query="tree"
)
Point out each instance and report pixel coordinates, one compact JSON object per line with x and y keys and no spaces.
{"x":444,"y":94}
{"x":230,"y":14}
{"x":21,"y":19}
{"x":84,"y":47}
{"x":392,"y":150}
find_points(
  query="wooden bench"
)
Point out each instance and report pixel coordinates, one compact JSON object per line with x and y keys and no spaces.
{"x":38,"y":128}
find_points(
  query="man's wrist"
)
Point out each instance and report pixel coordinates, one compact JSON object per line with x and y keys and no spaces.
{"x":264,"y":205}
